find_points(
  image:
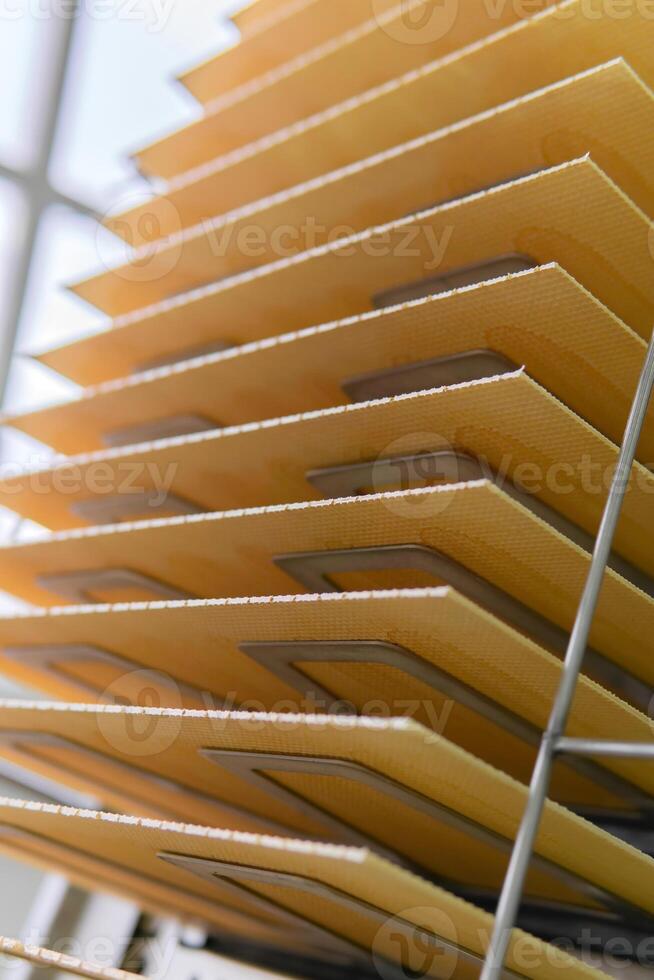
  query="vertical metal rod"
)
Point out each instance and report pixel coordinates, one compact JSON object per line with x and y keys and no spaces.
{"x":36,"y":184}
{"x":512,"y":890}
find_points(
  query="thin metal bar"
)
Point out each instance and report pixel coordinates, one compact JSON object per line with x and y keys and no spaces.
{"x":37,"y":188}
{"x":608,"y":749}
{"x":10,"y":174}
{"x":34,"y":187}
{"x":512,"y":890}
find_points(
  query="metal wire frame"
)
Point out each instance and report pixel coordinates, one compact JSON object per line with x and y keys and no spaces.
{"x":553,"y":742}
{"x":34,"y":181}
{"x":40,"y":194}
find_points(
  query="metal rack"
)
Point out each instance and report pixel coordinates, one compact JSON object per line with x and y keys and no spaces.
{"x":553,"y":742}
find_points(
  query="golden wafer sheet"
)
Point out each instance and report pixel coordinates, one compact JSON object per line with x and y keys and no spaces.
{"x":332,"y":898}
{"x":260,"y":14}
{"x":556,"y":42}
{"x":519,"y":137}
{"x":570,"y":214}
{"x":272,"y":33}
{"x":329,"y":777}
{"x":571,"y":344}
{"x":405,"y":38}
{"x":431,"y":655}
{"x":507,"y":428}
{"x":472,"y":536}
{"x":155,"y":896}
{"x":573,"y":37}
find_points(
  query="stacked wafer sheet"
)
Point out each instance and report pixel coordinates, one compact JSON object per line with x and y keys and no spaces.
{"x":324,"y":505}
